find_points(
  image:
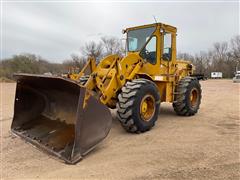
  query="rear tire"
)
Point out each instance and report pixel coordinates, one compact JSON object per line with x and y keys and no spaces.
{"x":138,"y":105}
{"x":188,"y":96}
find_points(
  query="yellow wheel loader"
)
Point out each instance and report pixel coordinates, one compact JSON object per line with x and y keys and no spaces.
{"x":68,"y":116}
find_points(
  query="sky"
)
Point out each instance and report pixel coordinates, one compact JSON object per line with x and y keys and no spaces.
{"x":55,"y":30}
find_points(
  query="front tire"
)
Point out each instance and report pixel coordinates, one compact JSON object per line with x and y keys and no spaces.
{"x":138,"y":105}
{"x":188,"y":96}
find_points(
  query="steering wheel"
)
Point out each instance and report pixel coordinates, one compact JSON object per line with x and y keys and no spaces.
{"x":146,"y":51}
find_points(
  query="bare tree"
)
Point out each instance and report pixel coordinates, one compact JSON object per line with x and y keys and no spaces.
{"x":235,"y":47}
{"x":220,"y":50}
{"x":185,"y":56}
{"x":92,"y":49}
{"x":112,"y":45}
{"x":220,"y":58}
{"x":201,"y":62}
{"x":76,"y":62}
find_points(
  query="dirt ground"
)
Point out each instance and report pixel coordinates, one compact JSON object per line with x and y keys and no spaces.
{"x":205,"y":146}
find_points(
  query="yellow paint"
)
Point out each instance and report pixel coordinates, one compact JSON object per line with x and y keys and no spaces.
{"x":109,"y":76}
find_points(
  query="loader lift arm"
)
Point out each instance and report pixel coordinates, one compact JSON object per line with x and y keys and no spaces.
{"x":109,"y":76}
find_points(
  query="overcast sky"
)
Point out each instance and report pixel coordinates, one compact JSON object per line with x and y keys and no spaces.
{"x":55,"y":30}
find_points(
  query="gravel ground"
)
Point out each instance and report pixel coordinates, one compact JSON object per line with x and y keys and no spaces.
{"x":205,"y":146}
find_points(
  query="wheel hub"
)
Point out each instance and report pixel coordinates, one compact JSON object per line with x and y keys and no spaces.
{"x":147,"y":107}
{"x":193,"y":97}
{"x":144,"y":107}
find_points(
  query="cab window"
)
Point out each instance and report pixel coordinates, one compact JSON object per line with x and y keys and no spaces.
{"x":167,"y":47}
{"x":137,"y":38}
{"x":149,"y":51}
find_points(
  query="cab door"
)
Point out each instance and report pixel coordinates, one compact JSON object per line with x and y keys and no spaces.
{"x":149,"y":53}
{"x":168,"y":52}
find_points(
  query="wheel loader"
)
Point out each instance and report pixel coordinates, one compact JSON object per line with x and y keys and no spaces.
{"x":68,"y":116}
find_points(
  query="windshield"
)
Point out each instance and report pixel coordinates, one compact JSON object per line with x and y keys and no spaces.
{"x":136,"y":39}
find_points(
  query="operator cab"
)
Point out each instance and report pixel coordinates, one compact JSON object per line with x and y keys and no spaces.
{"x":152,"y":42}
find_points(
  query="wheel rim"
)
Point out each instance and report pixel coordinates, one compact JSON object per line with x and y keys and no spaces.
{"x":147,"y":107}
{"x":194,"y":97}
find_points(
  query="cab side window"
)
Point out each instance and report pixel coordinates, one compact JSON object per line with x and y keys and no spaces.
{"x":167,"y":47}
{"x":149,"y":51}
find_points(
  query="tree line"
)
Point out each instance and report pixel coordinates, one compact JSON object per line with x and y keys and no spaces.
{"x":222,"y":57}
{"x":106,"y":46}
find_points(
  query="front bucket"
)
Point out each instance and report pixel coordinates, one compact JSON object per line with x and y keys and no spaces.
{"x":48,"y":113}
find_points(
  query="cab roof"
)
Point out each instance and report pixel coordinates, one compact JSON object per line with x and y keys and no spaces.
{"x":161,"y":25}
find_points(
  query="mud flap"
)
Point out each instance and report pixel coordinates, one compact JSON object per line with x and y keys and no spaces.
{"x":48,"y":113}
